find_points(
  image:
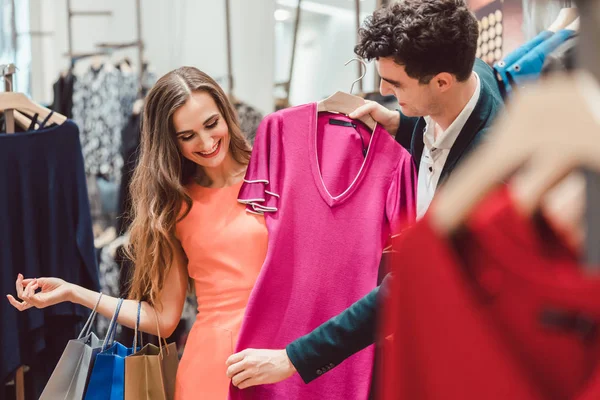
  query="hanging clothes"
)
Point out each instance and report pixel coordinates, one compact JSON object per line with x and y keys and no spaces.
{"x":102,"y":101}
{"x":130,"y":143}
{"x":63,"y":94}
{"x":501,"y":311}
{"x":330,"y":205}
{"x":503,"y":65}
{"x":249,"y":118}
{"x":128,"y":91}
{"x":529,"y":67}
{"x":45,"y":231}
{"x":563,"y":59}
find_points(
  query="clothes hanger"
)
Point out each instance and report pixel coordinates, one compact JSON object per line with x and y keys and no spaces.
{"x":22,"y":120}
{"x":346,"y":103}
{"x":526,"y":136}
{"x":574,"y":26}
{"x":566,"y":16}
{"x":20,"y":102}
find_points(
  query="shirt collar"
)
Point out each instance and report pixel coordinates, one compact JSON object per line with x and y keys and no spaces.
{"x":448,"y":137}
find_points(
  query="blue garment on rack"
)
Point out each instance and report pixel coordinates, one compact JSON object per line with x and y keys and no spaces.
{"x":529,"y":67}
{"x":503,"y":65}
{"x":45,"y":230}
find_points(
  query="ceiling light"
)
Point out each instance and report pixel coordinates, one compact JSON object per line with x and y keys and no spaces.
{"x":282,"y":15}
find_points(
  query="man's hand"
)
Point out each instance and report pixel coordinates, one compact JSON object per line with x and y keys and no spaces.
{"x":390,"y":120}
{"x":259,"y":367}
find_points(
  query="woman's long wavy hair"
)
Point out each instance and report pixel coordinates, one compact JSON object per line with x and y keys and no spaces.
{"x":157,"y":191}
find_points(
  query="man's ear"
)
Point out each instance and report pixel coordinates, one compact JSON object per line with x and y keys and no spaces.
{"x":443,"y":81}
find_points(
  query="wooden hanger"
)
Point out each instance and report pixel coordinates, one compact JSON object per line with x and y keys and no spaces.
{"x":24,"y":121}
{"x":574,"y":26}
{"x":347,"y":103}
{"x":529,"y":134}
{"x":565,"y":17}
{"x":20,"y":102}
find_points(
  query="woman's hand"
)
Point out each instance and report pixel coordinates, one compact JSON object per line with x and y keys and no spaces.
{"x":53,"y":291}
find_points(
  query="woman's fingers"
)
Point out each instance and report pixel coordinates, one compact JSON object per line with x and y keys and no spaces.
{"x":21,"y":306}
{"x":29,"y":292}
{"x":25,"y":291}
{"x":19,"y":285}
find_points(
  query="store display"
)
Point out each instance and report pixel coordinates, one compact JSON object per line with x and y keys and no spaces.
{"x":491,"y":31}
{"x":489,"y":261}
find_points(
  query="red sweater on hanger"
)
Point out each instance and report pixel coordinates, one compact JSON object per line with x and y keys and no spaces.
{"x":501,"y":311}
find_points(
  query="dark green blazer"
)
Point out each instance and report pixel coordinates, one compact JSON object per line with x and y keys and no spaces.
{"x":355,"y":328}
{"x":411,"y":129}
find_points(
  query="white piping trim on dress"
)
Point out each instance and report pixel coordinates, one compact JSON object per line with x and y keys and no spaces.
{"x":249,"y":201}
{"x":266,"y":182}
{"x":258,"y":181}
{"x":253,"y":212}
{"x":258,"y":207}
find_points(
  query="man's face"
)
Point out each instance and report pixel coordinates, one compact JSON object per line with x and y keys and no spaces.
{"x":415,"y":99}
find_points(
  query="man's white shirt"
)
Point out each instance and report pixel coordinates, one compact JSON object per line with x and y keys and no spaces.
{"x":435,"y":152}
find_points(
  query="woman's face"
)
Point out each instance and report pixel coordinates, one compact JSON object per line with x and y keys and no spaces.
{"x":201,"y":131}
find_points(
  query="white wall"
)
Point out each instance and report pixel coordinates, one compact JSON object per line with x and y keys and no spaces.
{"x":326,"y":40}
{"x":176,"y":33}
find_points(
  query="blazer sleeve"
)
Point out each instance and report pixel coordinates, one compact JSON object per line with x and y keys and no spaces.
{"x":339,"y":338}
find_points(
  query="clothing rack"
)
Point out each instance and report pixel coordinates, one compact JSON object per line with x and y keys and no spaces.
{"x":228,"y":39}
{"x":108,"y":47}
{"x":358,"y":65}
{"x":589,"y":14}
{"x":8,"y":71}
{"x":380,"y":3}
{"x":286,"y":85}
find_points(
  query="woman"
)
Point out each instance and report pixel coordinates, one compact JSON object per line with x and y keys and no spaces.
{"x":187,"y":223}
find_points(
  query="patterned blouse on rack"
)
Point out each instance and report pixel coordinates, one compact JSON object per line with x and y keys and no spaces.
{"x":102,"y":98}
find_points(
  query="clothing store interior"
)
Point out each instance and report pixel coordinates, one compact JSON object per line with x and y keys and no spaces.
{"x":300,"y":199}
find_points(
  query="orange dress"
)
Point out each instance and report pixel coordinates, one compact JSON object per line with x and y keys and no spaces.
{"x":226,"y":247}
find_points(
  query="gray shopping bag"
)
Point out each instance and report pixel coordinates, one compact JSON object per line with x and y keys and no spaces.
{"x":69,"y":379}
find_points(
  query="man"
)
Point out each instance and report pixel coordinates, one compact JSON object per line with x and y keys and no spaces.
{"x":425,"y":54}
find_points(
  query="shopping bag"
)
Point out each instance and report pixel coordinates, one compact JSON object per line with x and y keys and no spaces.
{"x":69,"y":379}
{"x":108,"y":375}
{"x":150,"y":373}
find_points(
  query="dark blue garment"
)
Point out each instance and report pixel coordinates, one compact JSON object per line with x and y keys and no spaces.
{"x":45,"y":230}
{"x":529,"y":67}
{"x":503,"y":65}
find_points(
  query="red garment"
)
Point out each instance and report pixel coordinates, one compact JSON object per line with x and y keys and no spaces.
{"x":471,"y":318}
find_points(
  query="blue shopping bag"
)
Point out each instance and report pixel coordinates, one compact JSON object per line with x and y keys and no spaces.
{"x":107,"y":381}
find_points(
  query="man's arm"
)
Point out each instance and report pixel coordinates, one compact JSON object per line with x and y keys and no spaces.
{"x":316,"y":353}
{"x":335,"y":340}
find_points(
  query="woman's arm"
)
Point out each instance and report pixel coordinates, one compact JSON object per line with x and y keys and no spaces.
{"x":54,"y":291}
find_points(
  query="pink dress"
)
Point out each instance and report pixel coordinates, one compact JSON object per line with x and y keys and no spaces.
{"x":331,"y":197}
{"x":225,"y":246}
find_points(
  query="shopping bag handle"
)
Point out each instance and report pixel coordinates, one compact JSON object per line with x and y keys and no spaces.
{"x":112,"y":328}
{"x":137,"y":329}
{"x":161,"y":339}
{"x":90,"y":321}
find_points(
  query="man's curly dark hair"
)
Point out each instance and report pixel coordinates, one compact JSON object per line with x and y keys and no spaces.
{"x":427,"y":37}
